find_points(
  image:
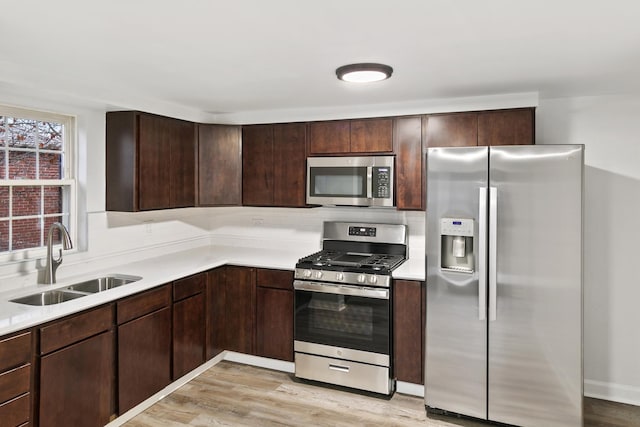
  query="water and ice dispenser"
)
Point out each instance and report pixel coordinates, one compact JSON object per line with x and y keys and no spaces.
{"x":456,"y":247}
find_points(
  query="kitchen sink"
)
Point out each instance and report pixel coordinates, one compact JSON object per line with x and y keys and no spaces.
{"x":102,"y":283}
{"x":48,"y":298}
{"x":77,"y":290}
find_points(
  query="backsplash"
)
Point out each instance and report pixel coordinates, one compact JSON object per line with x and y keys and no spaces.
{"x":115,"y":238}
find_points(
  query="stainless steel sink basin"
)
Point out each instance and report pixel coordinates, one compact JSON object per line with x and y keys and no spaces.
{"x":77,"y":290}
{"x":102,"y":283}
{"x":48,"y":298}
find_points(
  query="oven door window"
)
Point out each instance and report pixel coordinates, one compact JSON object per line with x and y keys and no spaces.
{"x":346,"y":321}
{"x":338,"y":181}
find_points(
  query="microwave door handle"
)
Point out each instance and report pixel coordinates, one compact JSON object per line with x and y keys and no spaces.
{"x":369,"y":182}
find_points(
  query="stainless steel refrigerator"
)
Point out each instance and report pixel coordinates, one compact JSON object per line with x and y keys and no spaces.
{"x":504,"y":283}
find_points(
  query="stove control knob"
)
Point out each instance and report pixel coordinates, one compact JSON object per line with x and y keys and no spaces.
{"x":307,"y":273}
{"x":339,"y":276}
{"x":361,"y":278}
{"x":373,"y":279}
{"x":318,"y":274}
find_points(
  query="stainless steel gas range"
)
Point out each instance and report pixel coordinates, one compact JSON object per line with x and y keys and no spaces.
{"x":343,"y":322}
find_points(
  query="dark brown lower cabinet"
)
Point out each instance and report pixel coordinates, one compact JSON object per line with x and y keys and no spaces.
{"x":15,"y":412}
{"x":214,"y":312}
{"x":274,"y":314}
{"x":188,"y":324}
{"x":274,"y":323}
{"x":76,"y":383}
{"x":144,"y":346}
{"x":239,"y":290}
{"x":408,"y":330}
{"x":231,"y":310}
{"x":15,"y":379}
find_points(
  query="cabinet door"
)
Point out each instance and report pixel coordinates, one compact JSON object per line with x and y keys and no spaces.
{"x":257,"y":165}
{"x":215,"y":313}
{"x":144,"y":358}
{"x":76,"y":383}
{"x":506,"y":127}
{"x":121,"y":161}
{"x":240,"y":309}
{"x":188,"y":334}
{"x":289,"y":164}
{"x":182,"y":163}
{"x":451,"y":130}
{"x":154,"y":152}
{"x":274,"y":323}
{"x":330,"y":137}
{"x":409,"y":166}
{"x":219,"y":165}
{"x":408,"y":330}
{"x":372,"y":136}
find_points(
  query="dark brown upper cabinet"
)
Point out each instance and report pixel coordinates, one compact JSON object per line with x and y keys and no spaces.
{"x":499,"y":127}
{"x":507,"y":127}
{"x":219,"y":165}
{"x":409,"y":166}
{"x":274,"y":165}
{"x":451,"y":130}
{"x":351,"y":136}
{"x":150,"y":162}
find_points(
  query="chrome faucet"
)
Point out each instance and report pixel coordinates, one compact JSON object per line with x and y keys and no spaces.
{"x":52,"y":263}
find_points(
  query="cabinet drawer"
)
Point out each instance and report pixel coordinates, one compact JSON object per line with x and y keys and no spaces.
{"x":281,"y":279}
{"x":15,"y":382}
{"x":15,"y":412}
{"x":76,"y":328}
{"x":144,"y":303}
{"x":15,"y":351}
{"x":189,"y":286}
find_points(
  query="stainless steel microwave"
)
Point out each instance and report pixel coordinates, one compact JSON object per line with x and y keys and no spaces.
{"x":350,"y":181}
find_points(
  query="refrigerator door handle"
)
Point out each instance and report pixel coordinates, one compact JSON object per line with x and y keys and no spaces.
{"x":493,"y":252}
{"x":482,"y":253}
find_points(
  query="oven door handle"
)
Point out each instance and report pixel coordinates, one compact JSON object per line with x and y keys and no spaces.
{"x":357,"y":291}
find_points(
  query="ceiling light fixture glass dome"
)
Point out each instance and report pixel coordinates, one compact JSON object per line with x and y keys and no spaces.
{"x":364,"y":73}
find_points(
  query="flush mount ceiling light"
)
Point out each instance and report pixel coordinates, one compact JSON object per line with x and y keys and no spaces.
{"x":364,"y":73}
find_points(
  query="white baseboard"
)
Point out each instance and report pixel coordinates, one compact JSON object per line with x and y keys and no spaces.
{"x":620,"y":393}
{"x":410,"y":388}
{"x":261,"y":362}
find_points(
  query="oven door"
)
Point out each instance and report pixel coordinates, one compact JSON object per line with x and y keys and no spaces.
{"x":349,"y":317}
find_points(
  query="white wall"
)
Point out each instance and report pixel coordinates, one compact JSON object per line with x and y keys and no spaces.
{"x":609,"y":127}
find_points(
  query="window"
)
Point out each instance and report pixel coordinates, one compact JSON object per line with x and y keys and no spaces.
{"x":36,"y":178}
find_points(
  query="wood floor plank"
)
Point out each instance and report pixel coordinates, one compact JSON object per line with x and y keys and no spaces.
{"x":233,"y":394}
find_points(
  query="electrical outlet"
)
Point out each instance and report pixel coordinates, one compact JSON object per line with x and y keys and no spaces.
{"x":257,"y":221}
{"x":148,"y":227}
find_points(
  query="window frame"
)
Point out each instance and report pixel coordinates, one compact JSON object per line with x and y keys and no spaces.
{"x":68,"y":181}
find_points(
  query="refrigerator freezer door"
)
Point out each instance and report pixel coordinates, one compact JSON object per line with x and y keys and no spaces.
{"x":535,"y":341}
{"x":456,"y":350}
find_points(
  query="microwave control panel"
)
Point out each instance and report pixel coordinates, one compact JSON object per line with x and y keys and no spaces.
{"x":381,"y":182}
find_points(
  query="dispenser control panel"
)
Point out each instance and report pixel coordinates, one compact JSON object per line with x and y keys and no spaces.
{"x":456,"y":227}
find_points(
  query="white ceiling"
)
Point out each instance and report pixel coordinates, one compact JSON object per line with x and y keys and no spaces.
{"x":259,"y":60}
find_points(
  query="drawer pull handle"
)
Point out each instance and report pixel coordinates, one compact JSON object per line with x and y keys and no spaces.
{"x":344,"y":369}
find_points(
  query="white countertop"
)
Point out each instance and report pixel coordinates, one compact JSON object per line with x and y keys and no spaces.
{"x":154,"y":272}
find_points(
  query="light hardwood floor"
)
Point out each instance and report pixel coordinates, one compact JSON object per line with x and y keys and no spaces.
{"x":232,"y":394}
